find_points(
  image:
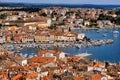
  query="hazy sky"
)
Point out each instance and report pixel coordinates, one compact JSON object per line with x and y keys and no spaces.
{"x":67,"y":1}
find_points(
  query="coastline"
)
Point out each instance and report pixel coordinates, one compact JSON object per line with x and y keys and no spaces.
{"x":20,"y":46}
{"x":86,"y":28}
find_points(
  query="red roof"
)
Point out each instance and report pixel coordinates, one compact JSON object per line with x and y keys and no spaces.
{"x":43,"y":51}
{"x":42,"y":60}
{"x":17,"y":77}
{"x":32,"y":75}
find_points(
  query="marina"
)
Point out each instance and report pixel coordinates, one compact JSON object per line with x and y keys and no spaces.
{"x":68,"y":40}
{"x":101,"y":48}
{"x":79,"y":44}
{"x":110,"y":52}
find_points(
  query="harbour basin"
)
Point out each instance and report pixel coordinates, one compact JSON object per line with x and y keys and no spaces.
{"x":106,"y":52}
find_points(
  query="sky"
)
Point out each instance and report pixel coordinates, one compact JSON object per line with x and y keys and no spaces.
{"x":115,"y":2}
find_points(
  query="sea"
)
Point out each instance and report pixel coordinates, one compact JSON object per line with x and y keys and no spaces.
{"x":105,"y":52}
{"x":43,"y":5}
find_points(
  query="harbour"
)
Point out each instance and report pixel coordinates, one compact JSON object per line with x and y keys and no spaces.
{"x":109,"y":52}
{"x":105,"y":52}
{"x":99,"y":47}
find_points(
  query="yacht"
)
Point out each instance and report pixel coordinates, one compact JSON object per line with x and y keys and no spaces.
{"x":115,"y":32}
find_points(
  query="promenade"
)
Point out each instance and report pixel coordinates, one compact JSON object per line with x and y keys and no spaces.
{"x":79,"y":44}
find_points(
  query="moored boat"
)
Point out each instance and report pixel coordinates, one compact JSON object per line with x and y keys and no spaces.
{"x":83,"y":54}
{"x":115,"y":32}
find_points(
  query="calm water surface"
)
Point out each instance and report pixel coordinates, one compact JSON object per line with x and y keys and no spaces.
{"x":109,"y":52}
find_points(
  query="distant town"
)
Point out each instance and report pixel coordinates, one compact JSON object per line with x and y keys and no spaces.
{"x":47,"y":29}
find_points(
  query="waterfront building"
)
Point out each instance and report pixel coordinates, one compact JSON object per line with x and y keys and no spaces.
{"x":20,"y":60}
{"x":69,"y":36}
{"x":86,"y":23}
{"x":52,"y":53}
{"x":2,"y":39}
{"x":80,"y":36}
{"x":17,"y":38}
{"x":8,"y":38}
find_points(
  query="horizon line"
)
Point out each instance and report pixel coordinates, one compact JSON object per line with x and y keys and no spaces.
{"x":56,"y":3}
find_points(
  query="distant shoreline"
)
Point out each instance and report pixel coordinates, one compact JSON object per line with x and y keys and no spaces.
{"x":94,"y":28}
{"x":42,"y":5}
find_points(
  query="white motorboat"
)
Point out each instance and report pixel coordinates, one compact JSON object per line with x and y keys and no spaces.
{"x":98,"y":31}
{"x":83,"y":54}
{"x":115,"y":32}
{"x":104,"y":35}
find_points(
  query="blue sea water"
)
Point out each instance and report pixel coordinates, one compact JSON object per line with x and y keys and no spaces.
{"x":106,"y":52}
{"x":38,"y":5}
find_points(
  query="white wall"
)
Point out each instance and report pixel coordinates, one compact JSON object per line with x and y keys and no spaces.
{"x":81,"y":36}
{"x":62,"y":55}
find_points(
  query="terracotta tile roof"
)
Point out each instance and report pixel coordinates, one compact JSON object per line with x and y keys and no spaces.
{"x":45,"y":78}
{"x":12,"y":28}
{"x":43,"y":51}
{"x":111,"y":79}
{"x":97,"y":77}
{"x":32,"y":75}
{"x":4,"y":75}
{"x":69,"y":34}
{"x":99,"y":64}
{"x":74,"y":58}
{"x":79,"y":78}
{"x":55,"y":52}
{"x":31,"y":65}
{"x":42,"y":60}
{"x":61,"y":72}
{"x":17,"y":77}
{"x":41,"y":23}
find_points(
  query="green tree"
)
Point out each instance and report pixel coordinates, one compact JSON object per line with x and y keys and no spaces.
{"x":69,"y":29}
{"x":52,"y":27}
{"x":3,"y":16}
{"x":117,"y":12}
{"x":118,"y":20}
{"x":43,"y":14}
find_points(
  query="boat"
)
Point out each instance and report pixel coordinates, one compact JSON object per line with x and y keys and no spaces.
{"x":104,"y":35}
{"x":98,"y":31}
{"x":25,"y":55}
{"x":78,"y":46}
{"x":83,"y":54}
{"x":115,"y":32}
